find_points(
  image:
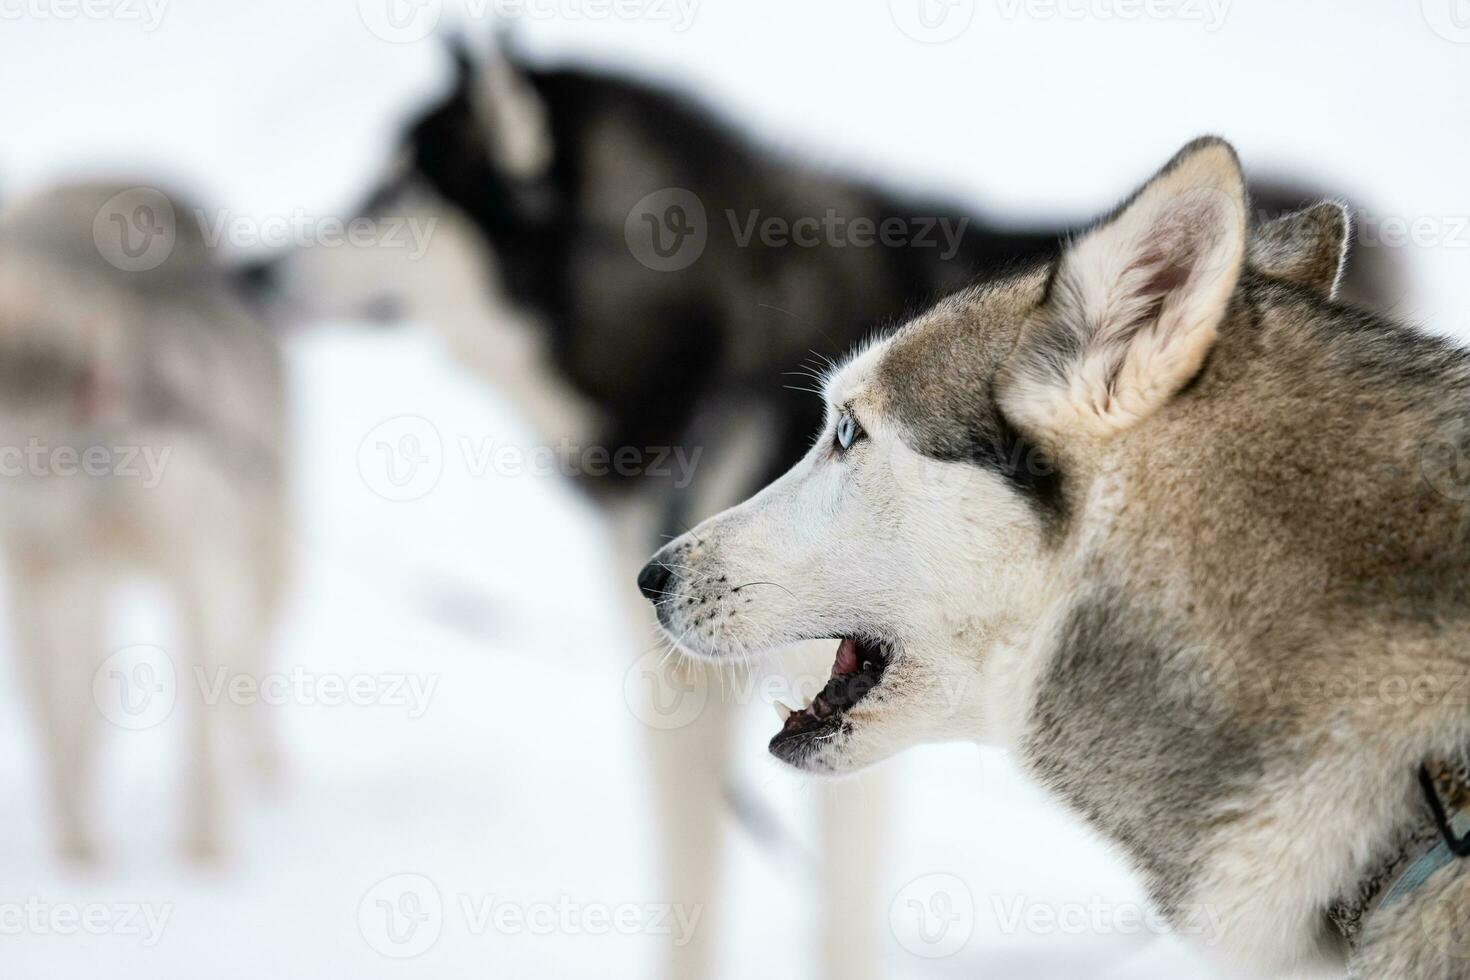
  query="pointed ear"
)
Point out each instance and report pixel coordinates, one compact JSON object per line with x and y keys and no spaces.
{"x":463,"y":60}
{"x":1307,"y":248}
{"x":513,"y":114}
{"x":1133,"y":305}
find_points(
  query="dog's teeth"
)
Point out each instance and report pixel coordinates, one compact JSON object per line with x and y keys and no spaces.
{"x":783,"y":712}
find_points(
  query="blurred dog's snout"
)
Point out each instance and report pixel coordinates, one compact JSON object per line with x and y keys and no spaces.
{"x":653,"y":581}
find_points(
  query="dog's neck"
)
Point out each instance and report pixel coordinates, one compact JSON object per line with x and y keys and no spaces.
{"x":1435,"y":837}
{"x":1015,"y":657}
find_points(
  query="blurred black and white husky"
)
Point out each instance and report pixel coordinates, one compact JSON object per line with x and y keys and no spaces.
{"x":141,"y":429}
{"x":580,"y":193}
{"x":642,"y":277}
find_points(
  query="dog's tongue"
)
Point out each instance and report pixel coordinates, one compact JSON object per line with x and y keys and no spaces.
{"x":847,"y":658}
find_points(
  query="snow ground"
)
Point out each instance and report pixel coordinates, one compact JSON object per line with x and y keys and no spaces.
{"x":521,"y":782}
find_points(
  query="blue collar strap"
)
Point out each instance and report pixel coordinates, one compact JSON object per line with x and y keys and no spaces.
{"x":1417,"y":852}
{"x":1453,"y":844}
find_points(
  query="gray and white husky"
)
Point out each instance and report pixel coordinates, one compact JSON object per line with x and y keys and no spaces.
{"x":1184,"y":533}
{"x":141,"y":429}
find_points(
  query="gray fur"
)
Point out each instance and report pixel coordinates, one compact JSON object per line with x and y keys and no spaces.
{"x":1228,"y":584}
{"x":1285,"y":525}
{"x":1158,"y":785}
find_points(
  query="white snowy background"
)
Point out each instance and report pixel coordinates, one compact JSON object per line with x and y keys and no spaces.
{"x":521,"y":783}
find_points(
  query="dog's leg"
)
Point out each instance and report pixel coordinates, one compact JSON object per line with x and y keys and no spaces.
{"x":255,"y":645}
{"x":689,"y":765}
{"x":214,"y":599}
{"x":58,"y":612}
{"x":1426,"y":936}
{"x":854,"y":827}
{"x":687,"y":751}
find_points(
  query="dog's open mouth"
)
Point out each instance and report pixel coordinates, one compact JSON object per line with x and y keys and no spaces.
{"x":856,"y":670}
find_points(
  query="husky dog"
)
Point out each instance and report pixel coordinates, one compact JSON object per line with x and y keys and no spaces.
{"x":1184,"y":533}
{"x":540,"y":185}
{"x":573,"y":179}
{"x":141,"y":428}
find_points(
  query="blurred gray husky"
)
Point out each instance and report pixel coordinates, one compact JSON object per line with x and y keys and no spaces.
{"x":142,"y":428}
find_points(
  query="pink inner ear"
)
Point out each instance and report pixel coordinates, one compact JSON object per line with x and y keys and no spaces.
{"x":1135,"y":303}
{"x":1175,"y":248}
{"x":1172,"y":273}
{"x":1166,"y":273}
{"x":1178,"y":241}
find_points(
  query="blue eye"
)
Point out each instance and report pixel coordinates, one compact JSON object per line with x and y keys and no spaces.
{"x":847,"y":431}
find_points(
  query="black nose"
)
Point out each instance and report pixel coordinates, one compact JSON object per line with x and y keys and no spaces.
{"x":653,"y":581}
